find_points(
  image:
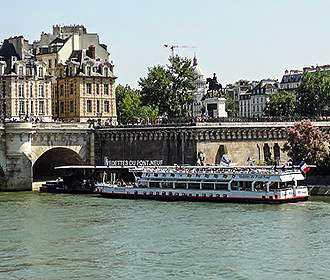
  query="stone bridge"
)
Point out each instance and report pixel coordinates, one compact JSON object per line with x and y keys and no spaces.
{"x":29,"y":152}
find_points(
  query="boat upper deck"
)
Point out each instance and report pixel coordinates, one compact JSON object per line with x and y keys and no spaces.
{"x":247,"y":173}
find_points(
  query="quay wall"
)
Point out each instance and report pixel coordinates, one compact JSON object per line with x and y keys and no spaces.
{"x":2,"y":157}
{"x":319,"y":190}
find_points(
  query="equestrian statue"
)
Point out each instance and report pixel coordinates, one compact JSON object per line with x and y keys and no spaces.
{"x":215,"y":88}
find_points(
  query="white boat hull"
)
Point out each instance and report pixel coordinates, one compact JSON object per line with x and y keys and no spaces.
{"x":274,"y":197}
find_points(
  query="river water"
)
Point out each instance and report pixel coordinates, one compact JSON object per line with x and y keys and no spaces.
{"x":54,"y":236}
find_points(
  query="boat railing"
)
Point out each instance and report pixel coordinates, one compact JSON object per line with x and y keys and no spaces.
{"x":220,"y":170}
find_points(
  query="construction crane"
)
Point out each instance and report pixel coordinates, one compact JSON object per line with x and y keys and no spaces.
{"x":172,"y":47}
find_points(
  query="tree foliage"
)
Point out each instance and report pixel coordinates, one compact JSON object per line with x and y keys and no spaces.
{"x":230,"y":106}
{"x":306,"y":142}
{"x":313,"y":94}
{"x":169,"y":88}
{"x":129,"y":106}
{"x":282,"y":104}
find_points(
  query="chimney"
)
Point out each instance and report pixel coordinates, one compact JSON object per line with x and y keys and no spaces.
{"x":91,"y":52}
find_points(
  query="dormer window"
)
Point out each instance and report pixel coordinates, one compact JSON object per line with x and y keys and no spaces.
{"x":88,"y":71}
{"x":106,"y":71}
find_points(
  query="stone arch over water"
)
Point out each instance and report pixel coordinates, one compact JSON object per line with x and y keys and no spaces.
{"x":43,"y":168}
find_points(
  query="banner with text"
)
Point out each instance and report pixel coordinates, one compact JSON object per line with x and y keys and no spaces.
{"x":129,"y":162}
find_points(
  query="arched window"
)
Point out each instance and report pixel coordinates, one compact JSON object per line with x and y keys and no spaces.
{"x":277,"y":152}
{"x":267,"y":153}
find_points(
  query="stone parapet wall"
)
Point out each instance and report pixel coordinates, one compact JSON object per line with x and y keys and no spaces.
{"x":180,"y":145}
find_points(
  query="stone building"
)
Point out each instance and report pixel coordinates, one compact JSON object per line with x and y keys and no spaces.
{"x":237,"y":89}
{"x":291,"y":80}
{"x":200,"y":91}
{"x":85,"y":89}
{"x":56,"y":47}
{"x":253,"y":102}
{"x":25,"y":88}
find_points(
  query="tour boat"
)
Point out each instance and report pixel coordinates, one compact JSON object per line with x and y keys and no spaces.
{"x":208,"y":183}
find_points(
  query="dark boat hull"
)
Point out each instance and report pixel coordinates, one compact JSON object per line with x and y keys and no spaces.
{"x":58,"y":187}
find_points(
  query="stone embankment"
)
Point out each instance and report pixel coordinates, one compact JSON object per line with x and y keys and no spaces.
{"x":318,"y":185}
{"x":319,"y":190}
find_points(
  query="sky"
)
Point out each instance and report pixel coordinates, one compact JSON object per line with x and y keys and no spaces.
{"x":236,"y":39}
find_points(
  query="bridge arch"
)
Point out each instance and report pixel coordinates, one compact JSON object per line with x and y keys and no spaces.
{"x":43,"y":167}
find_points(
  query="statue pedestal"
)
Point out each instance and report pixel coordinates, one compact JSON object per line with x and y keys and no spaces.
{"x":216,"y":107}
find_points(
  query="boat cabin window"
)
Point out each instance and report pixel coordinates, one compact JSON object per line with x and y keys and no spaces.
{"x":143,"y":184}
{"x":167,"y":185}
{"x":245,"y":186}
{"x":221,"y":186}
{"x":194,"y":186}
{"x":207,"y":186}
{"x":284,"y":185}
{"x":234,"y":185}
{"x":274,"y":185}
{"x":154,"y":185}
{"x":180,"y":185}
{"x":261,"y":186}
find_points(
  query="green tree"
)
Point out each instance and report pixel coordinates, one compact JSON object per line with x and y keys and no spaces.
{"x":230,"y":106}
{"x":169,"y":88}
{"x":306,"y":141}
{"x":313,"y":94}
{"x":282,"y":104}
{"x":129,"y":106}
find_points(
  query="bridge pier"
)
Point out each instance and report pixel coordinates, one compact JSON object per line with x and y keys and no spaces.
{"x":17,"y":163}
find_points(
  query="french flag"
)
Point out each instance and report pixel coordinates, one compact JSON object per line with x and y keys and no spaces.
{"x":304,"y":167}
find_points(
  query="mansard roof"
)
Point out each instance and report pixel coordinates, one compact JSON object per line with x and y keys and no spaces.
{"x":76,"y":55}
{"x":8,"y":50}
{"x":58,"y":40}
{"x":264,"y":84}
{"x":79,"y":59}
{"x":291,"y":78}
